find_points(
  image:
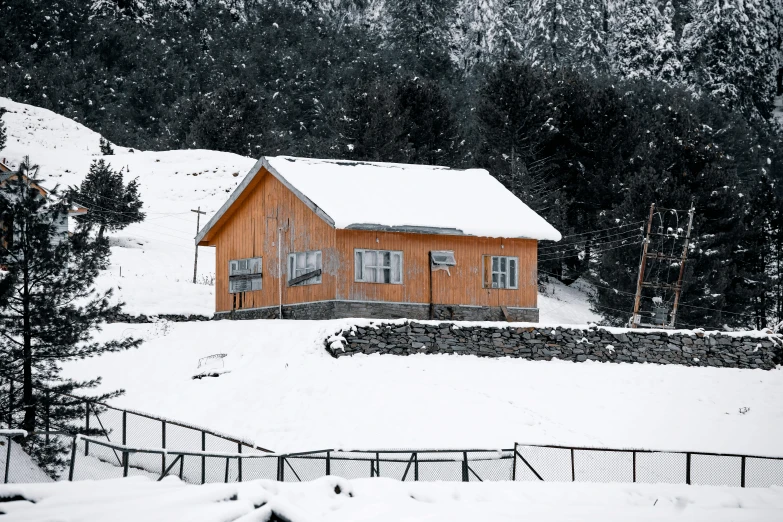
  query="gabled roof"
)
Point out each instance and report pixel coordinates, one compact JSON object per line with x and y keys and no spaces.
{"x":400,"y":197}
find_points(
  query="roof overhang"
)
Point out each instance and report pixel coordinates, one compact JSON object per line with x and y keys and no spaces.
{"x":262,"y":166}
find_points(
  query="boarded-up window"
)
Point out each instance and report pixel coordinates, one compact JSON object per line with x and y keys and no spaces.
{"x":302,"y":263}
{"x":501,"y":272}
{"x":378,"y":266}
{"x":244,"y":275}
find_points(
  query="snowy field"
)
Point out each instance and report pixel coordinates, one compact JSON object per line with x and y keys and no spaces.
{"x":383,"y":500}
{"x":152,"y":262}
{"x":285,"y":392}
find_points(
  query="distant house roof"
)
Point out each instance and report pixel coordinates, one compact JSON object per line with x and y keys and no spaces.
{"x":7,"y":174}
{"x":4,"y":167}
{"x":401,"y":197}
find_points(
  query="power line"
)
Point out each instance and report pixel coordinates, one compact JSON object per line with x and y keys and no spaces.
{"x":604,"y":229}
{"x":555,"y":256}
{"x":617,"y":237}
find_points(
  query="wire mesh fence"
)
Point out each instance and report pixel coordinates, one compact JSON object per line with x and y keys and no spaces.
{"x":105,"y":460}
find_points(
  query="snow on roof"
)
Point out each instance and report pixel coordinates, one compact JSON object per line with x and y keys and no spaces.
{"x":401,"y":197}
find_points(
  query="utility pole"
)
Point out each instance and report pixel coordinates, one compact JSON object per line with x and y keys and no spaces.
{"x":635,"y":320}
{"x":660,"y":257}
{"x":678,"y":288}
{"x":195,"y":261}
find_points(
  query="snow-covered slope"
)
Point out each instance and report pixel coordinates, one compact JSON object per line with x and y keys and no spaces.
{"x":285,"y":392}
{"x":152,"y":261}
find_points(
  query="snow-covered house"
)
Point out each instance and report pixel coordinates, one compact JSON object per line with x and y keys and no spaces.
{"x":312,"y":239}
{"x":63,"y":221}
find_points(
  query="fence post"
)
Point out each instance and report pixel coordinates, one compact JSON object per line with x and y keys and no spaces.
{"x":181,"y":465}
{"x":465,"y":477}
{"x":10,"y":404}
{"x":73,"y":459}
{"x":124,"y":427}
{"x":416,"y":466}
{"x":634,"y":466}
{"x":7,"y":458}
{"x":328,"y":463}
{"x":239,"y":462}
{"x":225,"y":480}
{"x":163,"y":445}
{"x":514,"y":465}
{"x":203,"y":458}
{"x":124,"y":463}
{"x":377,"y":464}
{"x":86,"y":426}
{"x":688,"y":468}
{"x":742,"y":473}
{"x":573,"y":468}
{"x":281,"y":468}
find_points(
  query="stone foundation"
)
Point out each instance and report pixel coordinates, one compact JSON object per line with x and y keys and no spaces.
{"x":688,"y":348}
{"x":383,"y":310}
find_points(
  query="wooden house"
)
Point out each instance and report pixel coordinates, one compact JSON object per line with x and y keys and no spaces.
{"x":63,"y":221}
{"x":315,"y":239}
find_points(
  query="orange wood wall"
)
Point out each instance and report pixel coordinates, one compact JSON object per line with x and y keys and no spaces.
{"x":463,"y":286}
{"x":251,"y":230}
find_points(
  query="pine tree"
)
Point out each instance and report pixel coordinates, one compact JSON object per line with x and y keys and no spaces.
{"x":49,"y":310}
{"x":421,"y":29}
{"x":730,"y":54}
{"x":566,"y":33}
{"x":106,"y":148}
{"x":638,"y":30}
{"x":668,"y":64}
{"x":485,"y":32}
{"x":111,"y":204}
{"x":2,"y":130}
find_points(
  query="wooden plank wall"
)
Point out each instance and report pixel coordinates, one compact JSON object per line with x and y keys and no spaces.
{"x":252,"y":230}
{"x":463,"y":286}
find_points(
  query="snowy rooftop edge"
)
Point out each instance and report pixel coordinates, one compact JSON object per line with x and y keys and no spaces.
{"x":401,"y":197}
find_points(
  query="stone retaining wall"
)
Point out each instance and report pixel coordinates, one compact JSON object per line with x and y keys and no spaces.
{"x":339,"y":309}
{"x":175,"y":318}
{"x":689,"y":348}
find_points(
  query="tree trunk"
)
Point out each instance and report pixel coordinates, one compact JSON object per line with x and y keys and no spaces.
{"x":28,"y":400}
{"x":101,"y":231}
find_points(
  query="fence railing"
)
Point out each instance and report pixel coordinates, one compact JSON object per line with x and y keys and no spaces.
{"x":524,"y":462}
{"x":124,"y":426}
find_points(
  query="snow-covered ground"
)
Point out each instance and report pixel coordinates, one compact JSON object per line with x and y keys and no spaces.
{"x":155,"y":257}
{"x":285,"y":392}
{"x":383,"y":500}
{"x":152,"y":262}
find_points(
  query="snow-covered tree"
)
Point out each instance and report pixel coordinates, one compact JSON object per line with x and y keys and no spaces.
{"x":729,"y":52}
{"x":639,"y":29}
{"x":566,"y":33}
{"x":668,"y":65}
{"x":49,"y":309}
{"x":485,"y":31}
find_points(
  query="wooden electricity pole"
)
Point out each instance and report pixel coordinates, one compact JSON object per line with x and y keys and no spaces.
{"x":635,"y":317}
{"x":195,"y":261}
{"x":678,"y":288}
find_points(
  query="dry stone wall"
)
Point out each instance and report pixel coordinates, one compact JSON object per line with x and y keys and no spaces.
{"x":684,"y":347}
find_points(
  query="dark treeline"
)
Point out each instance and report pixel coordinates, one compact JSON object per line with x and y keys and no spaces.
{"x":589,"y":122}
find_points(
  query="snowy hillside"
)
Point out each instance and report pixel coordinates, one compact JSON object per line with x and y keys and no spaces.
{"x":283,"y":391}
{"x":155,"y":257}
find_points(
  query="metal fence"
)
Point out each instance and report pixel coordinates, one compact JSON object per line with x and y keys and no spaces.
{"x":522,"y":463}
{"x":127,"y":427}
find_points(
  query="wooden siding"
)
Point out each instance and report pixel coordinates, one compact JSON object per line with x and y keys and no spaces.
{"x":464,"y":285}
{"x":251,"y":230}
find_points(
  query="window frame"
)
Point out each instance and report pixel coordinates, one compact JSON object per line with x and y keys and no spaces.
{"x":489,"y":271}
{"x":365,"y":266}
{"x":317,"y":280}
{"x":256,"y":278}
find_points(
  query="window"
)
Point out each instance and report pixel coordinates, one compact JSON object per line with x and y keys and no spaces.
{"x":244,"y":275}
{"x":304,"y":264}
{"x":501,"y":272}
{"x":378,"y":266}
{"x":442,"y":260}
